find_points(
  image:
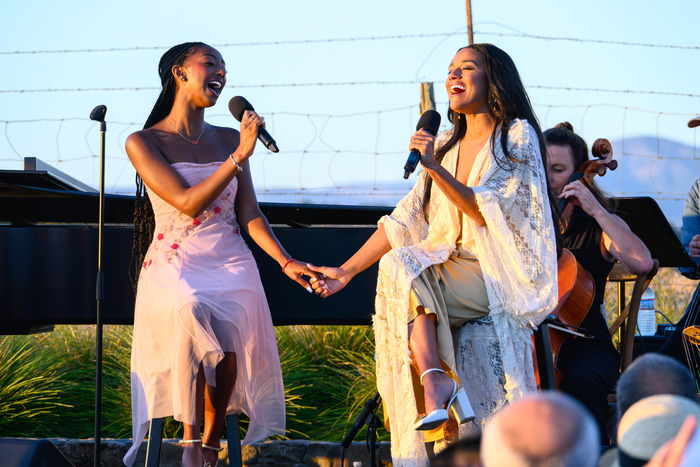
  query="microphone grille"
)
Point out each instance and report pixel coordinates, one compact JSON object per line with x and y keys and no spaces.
{"x":237,"y":106}
{"x":430,"y":121}
{"x":98,"y":113}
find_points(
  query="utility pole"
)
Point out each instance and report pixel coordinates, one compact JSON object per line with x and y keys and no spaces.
{"x":427,"y":97}
{"x":470,"y":27}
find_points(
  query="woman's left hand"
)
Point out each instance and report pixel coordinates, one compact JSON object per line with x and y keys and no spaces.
{"x":581,"y":196}
{"x":296,"y":270}
{"x":424,"y":142}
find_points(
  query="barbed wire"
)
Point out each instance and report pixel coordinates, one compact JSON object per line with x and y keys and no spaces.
{"x":348,"y":83}
{"x":323,"y":150}
{"x":520,"y":34}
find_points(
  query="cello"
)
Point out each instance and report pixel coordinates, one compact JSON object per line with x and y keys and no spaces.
{"x":576,"y":286}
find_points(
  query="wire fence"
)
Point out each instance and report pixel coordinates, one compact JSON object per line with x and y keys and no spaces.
{"x":321,"y":164}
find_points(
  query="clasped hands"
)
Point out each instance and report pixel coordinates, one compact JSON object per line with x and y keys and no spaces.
{"x":323,"y":281}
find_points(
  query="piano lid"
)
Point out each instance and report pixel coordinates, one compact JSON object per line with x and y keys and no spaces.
{"x":41,"y":194}
{"x":39,"y":174}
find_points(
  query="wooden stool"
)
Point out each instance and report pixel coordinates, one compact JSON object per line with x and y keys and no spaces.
{"x":155,"y":439}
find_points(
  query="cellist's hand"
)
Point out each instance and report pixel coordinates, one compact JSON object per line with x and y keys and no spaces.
{"x":581,"y":196}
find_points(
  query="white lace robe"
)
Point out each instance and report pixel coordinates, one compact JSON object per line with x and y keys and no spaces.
{"x":517,"y":253}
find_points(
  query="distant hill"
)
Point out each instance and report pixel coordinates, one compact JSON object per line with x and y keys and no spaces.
{"x":662,"y":169}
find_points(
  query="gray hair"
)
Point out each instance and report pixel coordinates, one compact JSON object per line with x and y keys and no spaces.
{"x":653,"y":374}
{"x":578,"y":445}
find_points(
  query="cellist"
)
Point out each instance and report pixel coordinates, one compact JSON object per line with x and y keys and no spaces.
{"x":596,"y":237}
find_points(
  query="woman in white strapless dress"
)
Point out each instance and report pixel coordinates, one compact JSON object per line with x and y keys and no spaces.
{"x":203,"y":343}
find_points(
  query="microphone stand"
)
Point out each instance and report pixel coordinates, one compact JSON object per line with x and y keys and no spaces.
{"x":98,"y":114}
{"x":367,"y":416}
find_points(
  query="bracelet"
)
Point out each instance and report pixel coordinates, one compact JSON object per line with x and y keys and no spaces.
{"x":240,"y":169}
{"x":287,"y":264}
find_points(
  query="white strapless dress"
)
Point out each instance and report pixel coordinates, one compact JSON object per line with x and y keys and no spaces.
{"x":200,"y":295}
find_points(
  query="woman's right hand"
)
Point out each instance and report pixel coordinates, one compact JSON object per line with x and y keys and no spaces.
{"x":250,"y":123}
{"x":424,"y":143}
{"x":332,"y":280}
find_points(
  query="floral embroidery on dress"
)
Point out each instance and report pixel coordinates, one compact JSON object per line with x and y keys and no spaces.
{"x":180,"y":227}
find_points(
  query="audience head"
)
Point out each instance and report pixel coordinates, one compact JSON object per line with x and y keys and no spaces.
{"x":542,"y":429}
{"x":462,"y":453}
{"x":653,"y":374}
{"x":648,"y":424}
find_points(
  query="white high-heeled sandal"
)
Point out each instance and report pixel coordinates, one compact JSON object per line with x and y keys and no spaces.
{"x":211,"y":448}
{"x":187,"y":442}
{"x":458,"y":402}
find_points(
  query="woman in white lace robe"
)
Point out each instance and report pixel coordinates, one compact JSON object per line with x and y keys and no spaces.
{"x":473,"y":237}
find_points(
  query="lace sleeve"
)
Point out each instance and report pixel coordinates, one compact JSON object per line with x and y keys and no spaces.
{"x":517,"y":245}
{"x":406,"y":225}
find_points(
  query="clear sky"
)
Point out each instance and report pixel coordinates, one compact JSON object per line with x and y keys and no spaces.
{"x":347,"y":136}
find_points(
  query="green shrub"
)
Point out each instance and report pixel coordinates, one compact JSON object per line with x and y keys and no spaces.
{"x":47,"y":382}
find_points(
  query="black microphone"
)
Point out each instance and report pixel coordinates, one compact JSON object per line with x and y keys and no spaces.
{"x":98,"y":113}
{"x":237,"y":106}
{"x":369,"y":408}
{"x":430,"y":122}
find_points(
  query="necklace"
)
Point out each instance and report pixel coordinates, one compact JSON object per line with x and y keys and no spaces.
{"x":194,"y":141}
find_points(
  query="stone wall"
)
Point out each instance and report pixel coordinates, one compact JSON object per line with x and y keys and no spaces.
{"x":295,"y":453}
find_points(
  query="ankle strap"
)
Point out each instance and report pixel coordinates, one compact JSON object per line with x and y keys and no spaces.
{"x":189,"y":441}
{"x":428,"y":371}
{"x":212,"y":448}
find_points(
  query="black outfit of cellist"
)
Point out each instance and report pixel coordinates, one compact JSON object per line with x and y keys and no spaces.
{"x":590,"y":367}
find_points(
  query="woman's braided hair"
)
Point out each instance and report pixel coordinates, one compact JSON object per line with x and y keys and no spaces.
{"x":144,"y":219}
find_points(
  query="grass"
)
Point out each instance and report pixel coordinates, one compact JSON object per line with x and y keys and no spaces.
{"x":47,"y":381}
{"x":672,"y":293}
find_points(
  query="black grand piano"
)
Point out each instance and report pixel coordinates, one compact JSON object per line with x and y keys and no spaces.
{"x":48,"y":255}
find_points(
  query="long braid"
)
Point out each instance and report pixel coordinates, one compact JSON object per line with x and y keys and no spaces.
{"x":144,"y":225}
{"x":144,"y":218}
